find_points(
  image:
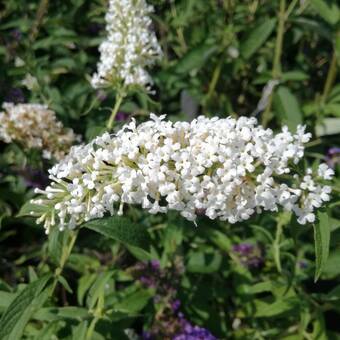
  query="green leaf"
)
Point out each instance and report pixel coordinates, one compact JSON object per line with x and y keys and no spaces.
{"x":288,"y":107}
{"x":65,"y":284}
{"x":173,"y":236}
{"x":332,"y":269}
{"x":139,"y":253}
{"x":98,"y":288}
{"x":257,"y":37}
{"x":134,"y":302}
{"x":79,"y":332}
{"x":29,"y":207}
{"x":329,"y":11}
{"x":337,"y":46}
{"x":194,"y":59}
{"x":321,"y":239}
{"x":83,"y":263}
{"x":84,"y":285}
{"x":52,"y":313}
{"x":21,"y":309}
{"x":122,"y":230}
{"x":319,"y":328}
{"x":261,"y":287}
{"x":264,"y":309}
{"x":294,"y":76}
{"x":48,"y":332}
{"x":316,"y":26}
{"x":334,"y":294}
{"x":329,"y":126}
{"x":56,"y":241}
{"x":5,"y":299}
{"x":204,"y":263}
{"x":220,"y":239}
{"x":332,"y":109}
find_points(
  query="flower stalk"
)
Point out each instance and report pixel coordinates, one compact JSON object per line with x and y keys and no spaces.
{"x":119,"y":99}
{"x":276,"y":71}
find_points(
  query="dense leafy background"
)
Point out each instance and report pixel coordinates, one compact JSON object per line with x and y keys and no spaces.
{"x":218,"y":57}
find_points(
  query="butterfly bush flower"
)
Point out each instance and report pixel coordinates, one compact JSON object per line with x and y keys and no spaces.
{"x":250,"y":255}
{"x":35,"y":127}
{"x":227,"y":169}
{"x":333,"y":156}
{"x":129,"y":48}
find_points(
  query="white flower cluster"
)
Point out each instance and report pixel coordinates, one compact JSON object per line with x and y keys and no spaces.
{"x":34,"y":126}
{"x":130,"y":46}
{"x":223,"y":168}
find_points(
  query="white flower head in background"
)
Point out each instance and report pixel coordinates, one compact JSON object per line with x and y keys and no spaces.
{"x":34,"y":126}
{"x":129,"y":48}
{"x":227,"y":169}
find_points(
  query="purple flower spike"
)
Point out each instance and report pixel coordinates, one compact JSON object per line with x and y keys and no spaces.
{"x":190,"y":332}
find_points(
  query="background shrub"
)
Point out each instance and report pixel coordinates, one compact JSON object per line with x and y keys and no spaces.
{"x":277,"y":60}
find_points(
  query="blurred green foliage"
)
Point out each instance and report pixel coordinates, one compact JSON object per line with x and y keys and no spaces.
{"x":220,"y":58}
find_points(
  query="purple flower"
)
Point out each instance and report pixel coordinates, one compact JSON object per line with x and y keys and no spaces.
{"x":16,"y":34}
{"x":147,"y":281}
{"x":333,"y":151}
{"x":101,"y":95}
{"x":190,"y":332}
{"x":146,"y":335}
{"x":94,"y":28}
{"x":122,"y":116}
{"x":303,"y":264}
{"x":333,"y":156}
{"x":15,"y":95}
{"x":175,"y":305}
{"x":243,"y":248}
{"x":155,"y":265}
{"x":249,"y":254}
{"x":34,"y":178}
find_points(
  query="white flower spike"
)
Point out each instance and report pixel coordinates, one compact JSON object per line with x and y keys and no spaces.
{"x":35,"y":126}
{"x":226,"y":168}
{"x":130,"y":47}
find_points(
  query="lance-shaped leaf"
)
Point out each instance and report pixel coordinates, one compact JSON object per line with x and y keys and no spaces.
{"x":21,"y":309}
{"x":257,"y":37}
{"x":322,"y":233}
{"x":133,"y":235}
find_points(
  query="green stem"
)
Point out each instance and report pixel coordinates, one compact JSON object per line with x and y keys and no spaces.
{"x":330,"y":78}
{"x":90,"y":330}
{"x":276,"y":247}
{"x":119,"y":99}
{"x":291,"y":8}
{"x":179,"y":31}
{"x":276,"y":71}
{"x":313,"y":143}
{"x":97,"y":316}
{"x":214,"y":80}
{"x":64,"y":257}
{"x":42,"y":9}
